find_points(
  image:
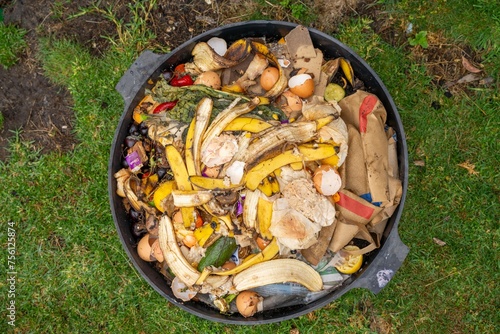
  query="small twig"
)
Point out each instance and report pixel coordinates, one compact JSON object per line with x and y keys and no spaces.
{"x":478,"y":107}
{"x":442,"y":278}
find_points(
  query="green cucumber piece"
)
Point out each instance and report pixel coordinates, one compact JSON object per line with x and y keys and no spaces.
{"x":218,"y":252}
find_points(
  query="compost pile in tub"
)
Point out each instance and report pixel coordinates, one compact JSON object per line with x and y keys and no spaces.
{"x":257,"y":174}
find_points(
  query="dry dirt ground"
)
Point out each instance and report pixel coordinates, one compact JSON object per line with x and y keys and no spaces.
{"x":43,"y":110}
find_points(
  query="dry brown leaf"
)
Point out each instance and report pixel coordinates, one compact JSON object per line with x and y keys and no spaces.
{"x":380,"y":325}
{"x":469,"y":166}
{"x":439,"y":242}
{"x":311,"y":316}
{"x":471,"y":77}
{"x":420,"y":163}
{"x":469,"y":67}
{"x":487,"y":81}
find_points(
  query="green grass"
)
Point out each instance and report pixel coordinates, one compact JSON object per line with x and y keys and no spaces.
{"x":12,"y":44}
{"x":284,"y":10}
{"x":73,"y":275}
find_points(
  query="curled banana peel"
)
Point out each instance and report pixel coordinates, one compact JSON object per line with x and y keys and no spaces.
{"x":254,"y":69}
{"x":265,"y":187}
{"x":239,"y":50}
{"x":121,"y":176}
{"x":264,"y":217}
{"x":234,"y":88}
{"x":173,"y":255}
{"x":188,"y":148}
{"x":226,"y":219}
{"x":210,"y":183}
{"x":134,"y":201}
{"x":191,"y":198}
{"x":269,"y":185}
{"x":178,"y":167}
{"x":249,"y":124}
{"x":302,"y":153}
{"x":346,"y":67}
{"x":181,"y":177}
{"x":330,"y":68}
{"x":282,"y":82}
{"x":278,"y":271}
{"x":250,"y":208}
{"x":206,"y":59}
{"x":267,"y":140}
{"x":162,"y":192}
{"x":225,"y":117}
{"x":273,"y":180}
{"x":266,"y":254}
{"x":201,"y":120}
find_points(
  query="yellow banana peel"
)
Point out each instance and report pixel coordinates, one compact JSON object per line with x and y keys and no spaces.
{"x":264,"y":216}
{"x":181,"y":177}
{"x":249,"y":124}
{"x":162,"y":192}
{"x":346,"y":67}
{"x":303,"y":153}
{"x":266,"y":254}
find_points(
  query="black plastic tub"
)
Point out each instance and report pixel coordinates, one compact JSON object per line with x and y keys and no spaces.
{"x":380,"y":265}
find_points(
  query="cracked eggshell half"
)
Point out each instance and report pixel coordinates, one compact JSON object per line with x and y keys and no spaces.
{"x":327,"y":180}
{"x":301,"y":85}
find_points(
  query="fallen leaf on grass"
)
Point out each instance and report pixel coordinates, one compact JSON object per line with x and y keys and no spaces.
{"x":439,"y":242}
{"x":469,"y":67}
{"x":468,"y":78}
{"x":487,"y":81}
{"x":420,"y":163}
{"x":380,"y":325}
{"x":471,"y":77}
{"x":469,"y":166}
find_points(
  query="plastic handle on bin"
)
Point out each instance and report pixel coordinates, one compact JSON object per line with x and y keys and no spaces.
{"x":138,"y":73}
{"x":388,"y":260}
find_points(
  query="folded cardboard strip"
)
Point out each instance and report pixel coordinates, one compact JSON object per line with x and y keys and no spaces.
{"x":372,"y":188}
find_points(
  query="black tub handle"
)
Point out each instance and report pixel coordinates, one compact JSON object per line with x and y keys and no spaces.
{"x":387,"y":262}
{"x":138,"y":73}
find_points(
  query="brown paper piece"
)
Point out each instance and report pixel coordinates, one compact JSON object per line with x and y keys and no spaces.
{"x":343,"y":234}
{"x":395,"y":186}
{"x":378,"y":223}
{"x":345,"y":231}
{"x":378,"y":230}
{"x":353,"y":171}
{"x":320,"y":88}
{"x":392,"y":154}
{"x":299,"y":43}
{"x":355,"y":208}
{"x":314,"y":253}
{"x":312,"y":65}
{"x":368,"y":115}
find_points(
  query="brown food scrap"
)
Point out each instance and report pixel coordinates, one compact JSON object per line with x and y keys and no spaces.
{"x":314,"y":253}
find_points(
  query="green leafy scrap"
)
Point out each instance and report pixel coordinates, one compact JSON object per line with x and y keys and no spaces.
{"x":188,"y":98}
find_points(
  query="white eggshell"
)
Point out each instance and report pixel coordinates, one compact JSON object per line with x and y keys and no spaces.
{"x":218,"y":44}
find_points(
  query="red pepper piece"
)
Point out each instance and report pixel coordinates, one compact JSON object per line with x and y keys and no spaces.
{"x":184,"y":80}
{"x":164,"y":106}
